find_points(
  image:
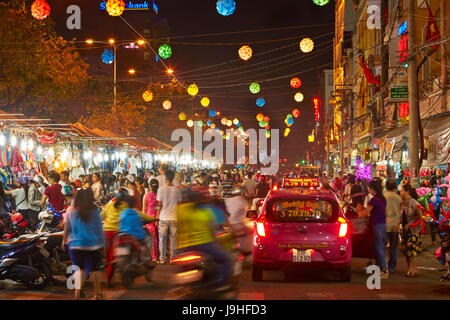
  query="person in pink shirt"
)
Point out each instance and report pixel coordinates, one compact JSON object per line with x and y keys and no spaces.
{"x":149,"y":208}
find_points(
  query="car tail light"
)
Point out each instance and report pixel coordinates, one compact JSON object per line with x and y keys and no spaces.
{"x":260,"y":202}
{"x":260,"y":229}
{"x":189,"y":258}
{"x":343,"y":227}
{"x":275,"y":188}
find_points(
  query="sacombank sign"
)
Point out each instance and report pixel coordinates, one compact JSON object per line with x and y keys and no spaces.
{"x":130,"y":5}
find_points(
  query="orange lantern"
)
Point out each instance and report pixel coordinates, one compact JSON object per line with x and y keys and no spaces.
{"x":260,"y":117}
{"x":40,"y":9}
{"x":115,"y":7}
{"x":296,"y":113}
{"x":296,"y":83}
{"x":266,"y":119}
{"x":147,"y":96}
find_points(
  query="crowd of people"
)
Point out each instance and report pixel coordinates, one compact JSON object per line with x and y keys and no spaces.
{"x":101,"y":205}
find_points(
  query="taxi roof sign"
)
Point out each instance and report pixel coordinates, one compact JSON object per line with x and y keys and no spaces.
{"x":300,"y":183}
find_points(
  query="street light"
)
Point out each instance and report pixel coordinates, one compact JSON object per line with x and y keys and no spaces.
{"x":141,"y":42}
{"x":111,"y":41}
{"x":169,"y":71}
{"x":89,"y":41}
{"x":131,"y":71}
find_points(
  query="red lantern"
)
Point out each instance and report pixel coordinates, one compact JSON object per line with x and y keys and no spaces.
{"x":266,"y":119}
{"x":40,"y":9}
{"x":296,"y":113}
{"x":267,"y":127}
{"x":296,"y":83}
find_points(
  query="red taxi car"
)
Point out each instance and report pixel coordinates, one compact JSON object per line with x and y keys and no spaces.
{"x":299,"y":227}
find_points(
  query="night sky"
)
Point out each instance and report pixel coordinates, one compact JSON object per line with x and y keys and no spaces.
{"x":228,"y":90}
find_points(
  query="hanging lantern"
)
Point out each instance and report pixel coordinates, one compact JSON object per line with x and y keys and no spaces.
{"x":200,"y":123}
{"x":229,"y":123}
{"x":267,"y":134}
{"x":193,"y":89}
{"x":290,"y":121}
{"x":260,"y":117}
{"x":205,"y":101}
{"x":321,"y":2}
{"x":213,"y":126}
{"x":266,"y":119}
{"x":267,"y":127}
{"x":286,"y":132}
{"x":209,"y":123}
{"x":296,"y":83}
{"x":289,"y":116}
{"x":254,"y":88}
{"x":306,"y":45}
{"x":235,"y":121}
{"x":212,"y":113}
{"x":226,"y":7}
{"x":298,"y":97}
{"x":238,"y":124}
{"x":262,"y":124}
{"x":241,"y":129}
{"x":147,"y":96}
{"x":167,"y":104}
{"x":245,"y":53}
{"x":224,"y":121}
{"x":40,"y":9}
{"x":182,"y":116}
{"x":115,"y":7}
{"x":108,"y":56}
{"x":260,"y":102}
{"x":165,"y":51}
{"x":190,"y":123}
{"x":296,"y":113}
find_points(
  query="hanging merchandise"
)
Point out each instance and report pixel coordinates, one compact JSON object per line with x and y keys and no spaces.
{"x":167,"y":104}
{"x":108,"y":56}
{"x":245,"y":53}
{"x":212,"y":113}
{"x":182,"y":116}
{"x":254,"y":88}
{"x":40,"y":9}
{"x":193,"y":89}
{"x":306,"y":45}
{"x":226,"y":7}
{"x":147,"y":96}
{"x":298,"y":97}
{"x":165,"y":51}
{"x":296,"y":113}
{"x":115,"y":8}
{"x":296,"y":83}
{"x":205,"y":101}
{"x":260,"y":102}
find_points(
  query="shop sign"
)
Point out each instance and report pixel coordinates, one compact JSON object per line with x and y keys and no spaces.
{"x":131,"y":5}
{"x":399,"y":93}
{"x":373,"y":14}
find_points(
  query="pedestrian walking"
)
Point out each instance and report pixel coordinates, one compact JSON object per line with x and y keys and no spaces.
{"x":168,"y":197}
{"x":86,"y":241}
{"x":53,"y":192}
{"x":150,"y":208}
{"x":411,"y":214}
{"x":393,"y":212}
{"x":97,"y":187}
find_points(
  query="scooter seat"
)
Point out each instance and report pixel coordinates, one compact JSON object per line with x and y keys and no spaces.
{"x":12,"y":244}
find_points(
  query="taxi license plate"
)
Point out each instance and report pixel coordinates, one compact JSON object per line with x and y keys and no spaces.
{"x":301,"y":255}
{"x":122,"y":251}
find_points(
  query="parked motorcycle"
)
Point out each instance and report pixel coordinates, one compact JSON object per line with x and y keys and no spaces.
{"x":193,"y":274}
{"x":26,"y":251}
{"x":28,"y":276}
{"x":15,"y":225}
{"x":57,"y":258}
{"x":50,"y":220}
{"x":442,"y":253}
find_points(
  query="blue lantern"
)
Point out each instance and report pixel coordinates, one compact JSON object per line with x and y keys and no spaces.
{"x":238,"y":124}
{"x":217,"y":129}
{"x":260,"y":102}
{"x":212,"y":113}
{"x":290,"y":121}
{"x":108,"y":56}
{"x":226,"y":7}
{"x":209,"y":123}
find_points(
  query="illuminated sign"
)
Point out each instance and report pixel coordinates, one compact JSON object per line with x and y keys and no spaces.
{"x":403,"y":48}
{"x":403,"y":110}
{"x":316,"y":102}
{"x":132,"y":5}
{"x":403,"y":28}
{"x":300,"y":182}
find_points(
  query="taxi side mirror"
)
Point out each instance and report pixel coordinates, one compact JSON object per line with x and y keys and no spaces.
{"x":252,"y":214}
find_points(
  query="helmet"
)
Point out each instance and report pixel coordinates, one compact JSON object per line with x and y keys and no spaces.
{"x":23,"y":180}
{"x":78,"y":183}
{"x":67,"y":190}
{"x":38,"y":179}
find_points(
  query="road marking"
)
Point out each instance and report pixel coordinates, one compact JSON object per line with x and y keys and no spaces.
{"x":391,"y":296}
{"x":428,"y":268}
{"x":320,"y":296}
{"x":251,"y":296}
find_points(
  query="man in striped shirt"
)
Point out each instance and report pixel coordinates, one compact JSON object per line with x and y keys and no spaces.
{"x":227,"y":186}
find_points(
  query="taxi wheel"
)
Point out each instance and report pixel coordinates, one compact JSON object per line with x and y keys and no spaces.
{"x":345,"y":274}
{"x":257,"y":274}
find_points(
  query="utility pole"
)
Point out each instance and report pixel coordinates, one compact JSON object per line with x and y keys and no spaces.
{"x":115,"y":87}
{"x":413,"y":98}
{"x":444,"y":59}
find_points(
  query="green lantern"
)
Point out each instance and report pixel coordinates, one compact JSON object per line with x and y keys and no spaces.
{"x":165,"y":51}
{"x":255,"y":88}
{"x":321,"y":2}
{"x":262,"y":124}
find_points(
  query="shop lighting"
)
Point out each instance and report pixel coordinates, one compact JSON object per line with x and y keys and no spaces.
{"x":74,"y":163}
{"x":106,"y":158}
{"x":391,"y":162}
{"x":89,"y":154}
{"x":2,"y":140}
{"x":23,"y":145}
{"x":56,"y":164}
{"x":13,"y":141}
{"x":30,"y":145}
{"x":85,"y":156}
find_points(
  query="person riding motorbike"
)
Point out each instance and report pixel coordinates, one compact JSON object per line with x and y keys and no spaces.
{"x":196,"y":232}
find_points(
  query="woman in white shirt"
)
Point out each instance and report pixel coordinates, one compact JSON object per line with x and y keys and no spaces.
{"x":20,"y":196}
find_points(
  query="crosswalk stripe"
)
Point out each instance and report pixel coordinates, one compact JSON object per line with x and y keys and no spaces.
{"x":391,"y":296}
{"x":321,"y":296}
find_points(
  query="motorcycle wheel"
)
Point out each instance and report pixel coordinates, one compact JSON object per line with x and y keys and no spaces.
{"x":148,"y":276}
{"x":44,"y":276}
{"x":127,"y":277}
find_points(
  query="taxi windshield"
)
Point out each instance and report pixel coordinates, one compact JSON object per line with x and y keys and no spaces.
{"x":302,"y":210}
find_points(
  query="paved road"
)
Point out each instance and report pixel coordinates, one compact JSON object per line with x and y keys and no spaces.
{"x":301,"y":286}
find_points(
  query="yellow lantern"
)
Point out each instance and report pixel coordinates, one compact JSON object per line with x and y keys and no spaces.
{"x":182,"y":116}
{"x":190,"y":123}
{"x":298,"y":97}
{"x":229,"y":123}
{"x":306,"y":45}
{"x":224,"y":121}
{"x":235,"y":121}
{"x":213,"y":126}
{"x":286,"y":132}
{"x":167,"y":104}
{"x":245,"y":53}
{"x":311,"y":138}
{"x":147,"y":96}
{"x":260,"y":117}
{"x":115,"y":7}
{"x":205,"y":102}
{"x":193,"y":89}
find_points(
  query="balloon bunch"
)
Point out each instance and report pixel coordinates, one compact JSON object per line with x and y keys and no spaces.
{"x":446,"y":185}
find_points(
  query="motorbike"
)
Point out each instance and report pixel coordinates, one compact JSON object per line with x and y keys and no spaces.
{"x":50,"y":220}
{"x":25,"y":254}
{"x":15,"y":225}
{"x":131,"y":259}
{"x":193,"y":274}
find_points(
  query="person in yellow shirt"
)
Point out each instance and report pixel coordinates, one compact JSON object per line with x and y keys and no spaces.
{"x":110,"y":216}
{"x":196,"y":232}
